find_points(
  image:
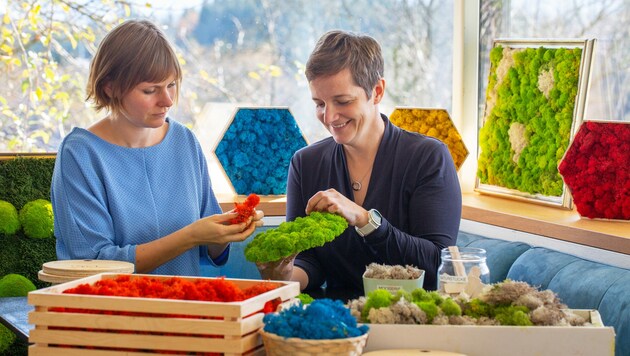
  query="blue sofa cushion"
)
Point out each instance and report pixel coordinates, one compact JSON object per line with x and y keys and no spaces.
{"x":500,"y":254}
{"x":539,"y":265}
{"x":581,"y":284}
{"x":236,"y":266}
{"x":615,"y":310}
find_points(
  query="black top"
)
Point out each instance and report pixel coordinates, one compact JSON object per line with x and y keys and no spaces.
{"x":414,"y":185}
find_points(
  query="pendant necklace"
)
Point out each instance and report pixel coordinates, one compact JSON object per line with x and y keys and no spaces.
{"x":357,"y":185}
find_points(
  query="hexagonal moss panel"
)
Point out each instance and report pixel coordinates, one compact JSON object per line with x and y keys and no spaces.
{"x":256,"y":148}
{"x":435,"y":123}
{"x":595,"y":168}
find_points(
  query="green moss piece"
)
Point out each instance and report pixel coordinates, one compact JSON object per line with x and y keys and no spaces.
{"x":7,"y":338}
{"x":305,"y":298}
{"x":420,"y":295}
{"x":429,"y":308}
{"x":15,"y":285}
{"x":378,"y":298}
{"x":513,"y":315}
{"x":450,"y":307}
{"x":477,"y":309}
{"x":292,"y":237}
{"x":9,"y":221}
{"x":36,"y":218}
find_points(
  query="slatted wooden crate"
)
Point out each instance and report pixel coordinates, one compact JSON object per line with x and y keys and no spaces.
{"x":141,"y":326}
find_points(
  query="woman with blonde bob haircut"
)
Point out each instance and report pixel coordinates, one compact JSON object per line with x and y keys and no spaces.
{"x":131,"y":54}
{"x":134,"y":186}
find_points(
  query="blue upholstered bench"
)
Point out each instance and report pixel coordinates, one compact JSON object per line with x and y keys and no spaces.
{"x":581,"y":284}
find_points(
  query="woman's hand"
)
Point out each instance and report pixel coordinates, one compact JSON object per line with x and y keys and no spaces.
{"x":216,"y":229}
{"x":281,"y":270}
{"x":334,"y":202}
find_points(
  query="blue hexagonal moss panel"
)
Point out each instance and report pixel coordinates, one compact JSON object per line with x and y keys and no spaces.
{"x":256,"y":149}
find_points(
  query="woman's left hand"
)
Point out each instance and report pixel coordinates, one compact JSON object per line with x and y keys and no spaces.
{"x":332,"y":201}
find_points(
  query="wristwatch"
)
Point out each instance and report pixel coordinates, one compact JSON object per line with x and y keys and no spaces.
{"x":374,"y":221}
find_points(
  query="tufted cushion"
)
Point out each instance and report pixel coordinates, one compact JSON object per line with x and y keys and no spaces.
{"x":500,"y":254}
{"x":538,"y":266}
{"x":465,"y":238}
{"x":581,"y":284}
{"x":615,"y":310}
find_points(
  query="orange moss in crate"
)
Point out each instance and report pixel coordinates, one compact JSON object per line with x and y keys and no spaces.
{"x":118,"y":314}
{"x":209,"y":290}
{"x":435,"y":123}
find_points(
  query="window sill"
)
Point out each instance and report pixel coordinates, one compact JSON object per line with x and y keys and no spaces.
{"x":556,"y":223}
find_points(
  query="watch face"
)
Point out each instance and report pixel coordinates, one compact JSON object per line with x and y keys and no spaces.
{"x":376,"y":216}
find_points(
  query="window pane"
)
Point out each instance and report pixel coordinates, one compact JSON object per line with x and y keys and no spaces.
{"x":605,"y":20}
{"x":248,"y":52}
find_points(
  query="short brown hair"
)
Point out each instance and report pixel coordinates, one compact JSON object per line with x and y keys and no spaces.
{"x":337,"y":50}
{"x":133,"y":52}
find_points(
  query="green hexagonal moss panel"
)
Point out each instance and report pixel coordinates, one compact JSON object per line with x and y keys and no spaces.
{"x":256,"y":149}
{"x":595,"y":168}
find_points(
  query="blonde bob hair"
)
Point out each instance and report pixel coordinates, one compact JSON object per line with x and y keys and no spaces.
{"x":134,"y":52}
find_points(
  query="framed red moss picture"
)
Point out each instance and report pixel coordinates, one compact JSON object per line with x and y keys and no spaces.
{"x":535,"y":101}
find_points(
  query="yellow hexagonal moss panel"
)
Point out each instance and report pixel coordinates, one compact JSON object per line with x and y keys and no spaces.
{"x":435,"y":123}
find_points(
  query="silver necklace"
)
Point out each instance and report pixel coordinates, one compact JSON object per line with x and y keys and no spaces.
{"x":357,"y":185}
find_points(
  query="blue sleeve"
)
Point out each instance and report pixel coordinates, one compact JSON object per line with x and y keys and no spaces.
{"x":82,"y":222}
{"x":209,"y":206}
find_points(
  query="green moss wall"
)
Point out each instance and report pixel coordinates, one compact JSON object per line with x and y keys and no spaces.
{"x":24,"y":179}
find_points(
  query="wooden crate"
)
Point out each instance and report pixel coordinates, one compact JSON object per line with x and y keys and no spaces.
{"x":154,"y":326}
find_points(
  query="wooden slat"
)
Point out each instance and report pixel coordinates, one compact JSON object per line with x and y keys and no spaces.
{"x":39,"y":350}
{"x":152,"y":324}
{"x":53,"y":297}
{"x":145,"y":342}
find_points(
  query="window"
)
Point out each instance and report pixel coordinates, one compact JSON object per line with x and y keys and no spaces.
{"x":604,"y":20}
{"x":249,"y":52}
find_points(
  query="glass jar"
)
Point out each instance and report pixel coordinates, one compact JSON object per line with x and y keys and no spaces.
{"x":463,"y":269}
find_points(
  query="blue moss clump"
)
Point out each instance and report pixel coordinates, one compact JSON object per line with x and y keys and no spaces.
{"x":256,"y":150}
{"x":15,"y":285}
{"x":36,"y":218}
{"x":323,"y":319}
{"x":9,"y":221}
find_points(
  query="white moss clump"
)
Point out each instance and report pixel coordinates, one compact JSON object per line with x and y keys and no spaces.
{"x":377,"y":271}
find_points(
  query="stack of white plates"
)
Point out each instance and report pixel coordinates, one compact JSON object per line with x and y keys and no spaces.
{"x":70,"y":270}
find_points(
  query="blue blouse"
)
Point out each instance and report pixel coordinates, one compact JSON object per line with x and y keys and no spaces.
{"x":107,"y":199}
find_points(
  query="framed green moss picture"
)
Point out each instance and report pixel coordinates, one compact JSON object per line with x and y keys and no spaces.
{"x":535,"y":101}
